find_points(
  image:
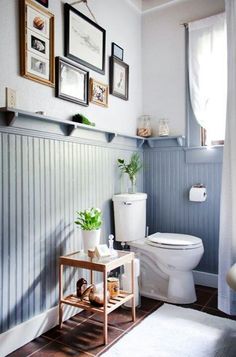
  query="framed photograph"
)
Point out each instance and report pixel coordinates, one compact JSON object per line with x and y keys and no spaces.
{"x":117,"y":51}
{"x":72,"y":82}
{"x":98,"y":93}
{"x":119,"y":78}
{"x":43,"y":2}
{"x":37,"y":43}
{"x":85,"y":41}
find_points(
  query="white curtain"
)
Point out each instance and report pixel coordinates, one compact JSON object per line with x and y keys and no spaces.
{"x":208,"y":73}
{"x":227,"y":246}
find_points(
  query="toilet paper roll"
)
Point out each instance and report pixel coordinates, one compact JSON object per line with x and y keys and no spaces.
{"x":197,"y":194}
{"x":127,"y":267}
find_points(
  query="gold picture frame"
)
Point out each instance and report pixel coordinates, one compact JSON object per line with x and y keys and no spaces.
{"x":37,"y":43}
{"x":99,"y":93}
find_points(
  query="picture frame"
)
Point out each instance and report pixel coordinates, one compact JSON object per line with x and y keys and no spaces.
{"x":85,"y":40}
{"x":43,"y":2}
{"x":99,"y":93}
{"x":37,"y":43}
{"x":117,"y":51}
{"x":72,"y":82}
{"x":119,"y":78}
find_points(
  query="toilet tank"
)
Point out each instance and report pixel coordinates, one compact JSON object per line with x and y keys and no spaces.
{"x":130,"y":216}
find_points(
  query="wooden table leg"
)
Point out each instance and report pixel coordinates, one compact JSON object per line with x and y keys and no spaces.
{"x":91,"y":277}
{"x":133,"y":290}
{"x":60,"y":294}
{"x":105,"y":317}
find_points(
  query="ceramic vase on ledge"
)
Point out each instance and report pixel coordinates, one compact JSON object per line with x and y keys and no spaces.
{"x":90,"y":239}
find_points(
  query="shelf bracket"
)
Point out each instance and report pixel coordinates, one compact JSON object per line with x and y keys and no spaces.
{"x":150,"y":143}
{"x":140,"y":142}
{"x":71,"y":129}
{"x":180,"y":140}
{"x":110,"y":137}
{"x":11,"y":117}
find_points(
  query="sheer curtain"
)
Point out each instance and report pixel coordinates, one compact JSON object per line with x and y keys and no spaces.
{"x":208,"y":73}
{"x":227,"y":246}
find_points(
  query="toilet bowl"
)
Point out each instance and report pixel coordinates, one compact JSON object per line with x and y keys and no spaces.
{"x":173,"y":261}
{"x":167,"y":259}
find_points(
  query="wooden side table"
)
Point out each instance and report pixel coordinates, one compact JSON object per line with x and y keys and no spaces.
{"x":103,"y":265}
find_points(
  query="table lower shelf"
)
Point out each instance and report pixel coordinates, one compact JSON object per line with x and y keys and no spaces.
{"x":86,"y":305}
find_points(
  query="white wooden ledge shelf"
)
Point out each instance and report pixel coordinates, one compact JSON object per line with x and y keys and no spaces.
{"x":69,"y":127}
{"x":151,"y":141}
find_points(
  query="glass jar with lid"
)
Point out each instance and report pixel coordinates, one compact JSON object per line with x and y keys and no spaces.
{"x":144,"y":126}
{"x":164,"y":127}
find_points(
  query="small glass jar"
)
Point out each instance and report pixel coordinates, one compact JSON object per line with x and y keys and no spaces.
{"x":163,"y":127}
{"x":144,"y":126}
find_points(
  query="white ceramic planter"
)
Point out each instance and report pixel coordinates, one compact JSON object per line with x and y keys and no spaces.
{"x":90,"y":239}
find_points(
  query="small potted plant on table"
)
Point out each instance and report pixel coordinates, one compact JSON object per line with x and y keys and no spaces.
{"x":90,"y":221}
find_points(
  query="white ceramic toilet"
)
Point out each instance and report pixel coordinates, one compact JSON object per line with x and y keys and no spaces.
{"x":167,"y":259}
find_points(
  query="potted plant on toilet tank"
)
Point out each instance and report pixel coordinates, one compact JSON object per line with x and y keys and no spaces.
{"x":131,"y":168}
{"x":90,"y":221}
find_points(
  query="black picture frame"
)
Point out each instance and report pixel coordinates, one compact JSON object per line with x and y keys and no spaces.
{"x":117,"y":51}
{"x":45,"y":3}
{"x":119,"y":72}
{"x":65,"y":90}
{"x":80,"y":46}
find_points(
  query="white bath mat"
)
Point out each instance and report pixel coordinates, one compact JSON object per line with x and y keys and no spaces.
{"x":173,"y":331}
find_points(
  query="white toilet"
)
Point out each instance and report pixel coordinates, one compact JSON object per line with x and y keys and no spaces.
{"x":167,"y":259}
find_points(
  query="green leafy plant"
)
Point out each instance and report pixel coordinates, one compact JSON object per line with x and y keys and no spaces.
{"x":80,"y":118}
{"x":131,"y":168}
{"x":89,"y":219}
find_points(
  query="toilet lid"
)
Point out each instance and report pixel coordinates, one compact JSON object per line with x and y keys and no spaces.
{"x":174,"y":240}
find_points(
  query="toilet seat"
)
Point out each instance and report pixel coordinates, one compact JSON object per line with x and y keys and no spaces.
{"x":174,"y":241}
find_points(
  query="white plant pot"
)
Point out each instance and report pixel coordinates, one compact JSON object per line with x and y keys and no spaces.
{"x":90,"y":239}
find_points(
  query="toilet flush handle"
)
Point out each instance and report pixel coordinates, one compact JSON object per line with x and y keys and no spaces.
{"x":127,"y":203}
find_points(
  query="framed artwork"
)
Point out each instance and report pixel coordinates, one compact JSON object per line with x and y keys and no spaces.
{"x":72,"y":82}
{"x":119,"y":78}
{"x":43,"y":2}
{"x":117,"y":51}
{"x":37,"y":43}
{"x":85,"y":41}
{"x":98,"y":93}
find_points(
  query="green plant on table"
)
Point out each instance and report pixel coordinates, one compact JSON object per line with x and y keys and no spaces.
{"x":89,"y":219}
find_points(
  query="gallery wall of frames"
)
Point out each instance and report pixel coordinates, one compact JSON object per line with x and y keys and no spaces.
{"x":84,"y":53}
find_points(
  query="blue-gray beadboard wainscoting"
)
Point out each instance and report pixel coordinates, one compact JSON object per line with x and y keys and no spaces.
{"x":43,"y":181}
{"x":46,"y":177}
{"x":167,"y":180}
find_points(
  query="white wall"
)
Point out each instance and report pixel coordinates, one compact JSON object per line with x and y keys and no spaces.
{"x":164,"y":59}
{"x":123,"y":25}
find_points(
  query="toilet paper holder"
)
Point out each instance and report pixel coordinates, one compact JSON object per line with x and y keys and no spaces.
{"x":198,"y":193}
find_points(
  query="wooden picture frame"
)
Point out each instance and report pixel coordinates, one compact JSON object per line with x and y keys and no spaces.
{"x":119,"y":78}
{"x":72,"y":82}
{"x":36,"y":43}
{"x":43,"y":2}
{"x":117,"y":51}
{"x":85,"y":41}
{"x":98,"y":93}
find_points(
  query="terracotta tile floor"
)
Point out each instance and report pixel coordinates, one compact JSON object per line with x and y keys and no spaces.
{"x":82,"y":334}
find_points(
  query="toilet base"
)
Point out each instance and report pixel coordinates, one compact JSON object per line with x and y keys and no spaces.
{"x":181,"y":290}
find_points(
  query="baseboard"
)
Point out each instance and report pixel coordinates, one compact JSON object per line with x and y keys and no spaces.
{"x":21,"y":334}
{"x":205,"y":279}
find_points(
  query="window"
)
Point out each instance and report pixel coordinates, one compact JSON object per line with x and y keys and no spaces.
{"x":207,"y":58}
